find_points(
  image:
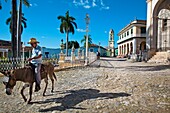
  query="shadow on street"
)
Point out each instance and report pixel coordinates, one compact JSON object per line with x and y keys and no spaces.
{"x":74,"y":97}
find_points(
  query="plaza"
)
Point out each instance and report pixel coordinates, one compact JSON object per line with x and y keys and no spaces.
{"x":115,"y":86}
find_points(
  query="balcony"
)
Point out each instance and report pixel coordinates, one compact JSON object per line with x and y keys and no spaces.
{"x":131,"y":36}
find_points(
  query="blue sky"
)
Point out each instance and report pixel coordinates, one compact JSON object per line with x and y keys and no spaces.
{"x":42,"y":22}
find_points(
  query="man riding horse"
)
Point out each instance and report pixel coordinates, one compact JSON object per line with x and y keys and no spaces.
{"x":36,"y":61}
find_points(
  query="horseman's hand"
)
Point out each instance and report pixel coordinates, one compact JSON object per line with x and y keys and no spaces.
{"x":29,"y":59}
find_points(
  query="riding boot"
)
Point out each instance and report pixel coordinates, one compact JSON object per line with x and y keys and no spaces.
{"x":37,"y":87}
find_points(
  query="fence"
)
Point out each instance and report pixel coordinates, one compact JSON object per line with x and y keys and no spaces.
{"x":16,"y":63}
{"x":92,"y":57}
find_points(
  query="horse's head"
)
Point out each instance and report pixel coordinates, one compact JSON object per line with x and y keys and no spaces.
{"x":9,"y":81}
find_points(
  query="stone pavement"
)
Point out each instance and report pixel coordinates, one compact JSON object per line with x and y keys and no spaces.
{"x":108,"y":86}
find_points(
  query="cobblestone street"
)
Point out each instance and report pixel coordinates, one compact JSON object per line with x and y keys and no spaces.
{"x":116,"y":86}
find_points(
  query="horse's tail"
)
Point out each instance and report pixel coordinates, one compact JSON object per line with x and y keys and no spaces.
{"x":55,"y":76}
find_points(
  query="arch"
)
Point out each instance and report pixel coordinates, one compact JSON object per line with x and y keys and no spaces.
{"x":127,"y":48}
{"x":142,"y":46}
{"x":122,"y":49}
{"x":160,"y":8}
{"x":131,"y":48}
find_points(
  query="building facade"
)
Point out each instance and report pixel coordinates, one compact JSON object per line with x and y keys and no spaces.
{"x":132,"y":38}
{"x":111,"y":43}
{"x":6,"y":50}
{"x":158,"y":26}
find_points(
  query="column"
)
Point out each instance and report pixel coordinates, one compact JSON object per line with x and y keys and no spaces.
{"x":122,"y":50}
{"x":126,"y":48}
{"x":149,"y":24}
{"x":134,"y":46}
{"x":129,"y":48}
{"x":118,"y":50}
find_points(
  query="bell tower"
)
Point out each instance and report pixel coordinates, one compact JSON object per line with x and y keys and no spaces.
{"x":111,"y":43}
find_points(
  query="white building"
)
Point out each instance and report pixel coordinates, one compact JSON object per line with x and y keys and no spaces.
{"x":158,"y":26}
{"x":132,"y":38}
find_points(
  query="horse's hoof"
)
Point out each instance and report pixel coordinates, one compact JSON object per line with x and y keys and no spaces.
{"x":52,"y":91}
{"x":43,"y":94}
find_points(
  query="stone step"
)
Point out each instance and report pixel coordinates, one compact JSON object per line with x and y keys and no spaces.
{"x":160,"y":57}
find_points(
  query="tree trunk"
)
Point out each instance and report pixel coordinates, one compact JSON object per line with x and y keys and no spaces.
{"x":67,"y":43}
{"x":14,"y":29}
{"x":19,"y":29}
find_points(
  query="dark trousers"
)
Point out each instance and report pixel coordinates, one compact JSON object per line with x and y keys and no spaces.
{"x":36,"y":71}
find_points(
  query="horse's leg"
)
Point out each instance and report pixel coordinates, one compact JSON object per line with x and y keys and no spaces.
{"x":52,"y":80}
{"x":30,"y":92}
{"x":46,"y":84}
{"x":22,"y":91}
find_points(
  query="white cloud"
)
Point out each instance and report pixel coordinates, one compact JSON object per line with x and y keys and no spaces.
{"x":94,"y":3}
{"x":81,"y":30}
{"x":106,"y":8}
{"x":87,"y":1}
{"x":74,"y":2}
{"x":81,"y":2}
{"x":34,"y":5}
{"x":87,"y":4}
{"x":101,"y":2}
{"x":105,"y":32}
{"x":58,"y":28}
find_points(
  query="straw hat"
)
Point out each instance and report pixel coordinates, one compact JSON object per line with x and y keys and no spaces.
{"x":32,"y":40}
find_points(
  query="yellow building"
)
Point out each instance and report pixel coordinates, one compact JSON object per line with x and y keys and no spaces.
{"x":158,"y":26}
{"x":132,"y":38}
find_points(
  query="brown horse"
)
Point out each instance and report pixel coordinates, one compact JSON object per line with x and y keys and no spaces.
{"x":26,"y":75}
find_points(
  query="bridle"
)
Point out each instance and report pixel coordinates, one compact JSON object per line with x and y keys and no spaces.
{"x":7,"y":79}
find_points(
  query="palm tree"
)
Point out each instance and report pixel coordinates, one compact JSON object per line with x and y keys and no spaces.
{"x":89,"y":40}
{"x":20,"y":21}
{"x":23,"y":25}
{"x":67,"y":26}
{"x":14,"y":25}
{"x":1,"y":4}
{"x":14,"y":28}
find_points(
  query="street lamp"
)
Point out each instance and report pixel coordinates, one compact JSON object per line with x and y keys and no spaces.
{"x":87,"y":19}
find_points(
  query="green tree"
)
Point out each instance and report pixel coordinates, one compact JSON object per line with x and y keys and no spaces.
{"x":71,"y":43}
{"x":23,"y":25}
{"x":1,"y":4}
{"x":89,"y":40}
{"x":14,"y":25}
{"x":67,"y":26}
